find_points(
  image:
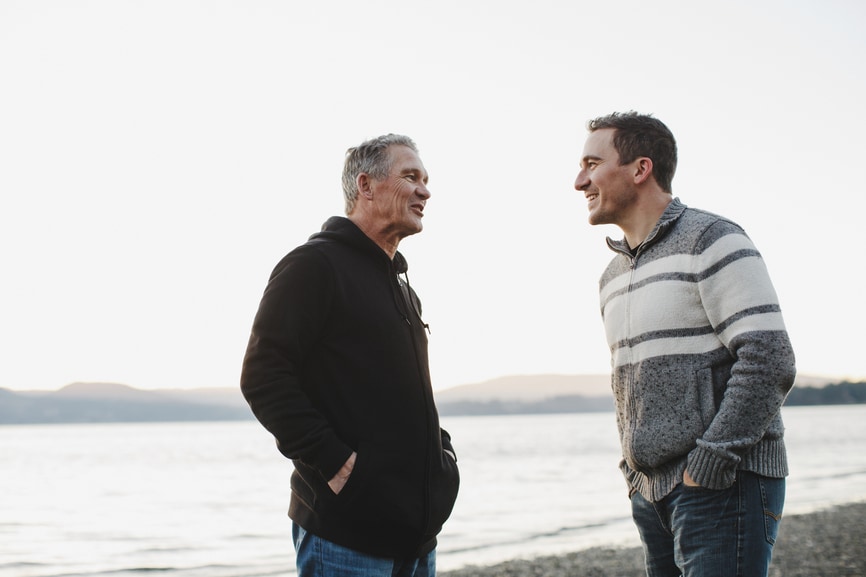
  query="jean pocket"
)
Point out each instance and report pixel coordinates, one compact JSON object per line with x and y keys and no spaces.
{"x":773,"y":501}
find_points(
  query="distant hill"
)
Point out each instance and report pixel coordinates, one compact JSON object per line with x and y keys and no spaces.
{"x":591,"y":393}
{"x":521,"y":394}
{"x":528,"y":388}
{"x":116,"y":403}
{"x":844,"y":393}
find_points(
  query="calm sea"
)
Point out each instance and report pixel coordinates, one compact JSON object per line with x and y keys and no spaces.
{"x":210,"y":499}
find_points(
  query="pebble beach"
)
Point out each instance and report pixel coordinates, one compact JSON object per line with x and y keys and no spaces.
{"x":826,"y":543}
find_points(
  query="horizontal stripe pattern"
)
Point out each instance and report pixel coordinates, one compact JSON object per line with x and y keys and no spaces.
{"x":699,"y":302}
{"x":689,"y":320}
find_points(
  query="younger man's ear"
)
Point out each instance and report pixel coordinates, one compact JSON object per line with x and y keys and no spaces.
{"x":643,"y":168}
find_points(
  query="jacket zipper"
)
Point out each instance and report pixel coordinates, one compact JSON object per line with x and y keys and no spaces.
{"x":408,"y":307}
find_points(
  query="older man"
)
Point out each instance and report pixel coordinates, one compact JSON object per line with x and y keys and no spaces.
{"x":336,"y":369}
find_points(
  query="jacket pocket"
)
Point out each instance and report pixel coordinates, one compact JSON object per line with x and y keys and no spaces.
{"x":383,"y":491}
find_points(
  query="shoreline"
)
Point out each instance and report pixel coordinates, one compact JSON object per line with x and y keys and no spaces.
{"x":821,"y":543}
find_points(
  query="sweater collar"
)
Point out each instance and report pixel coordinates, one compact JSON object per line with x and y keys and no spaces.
{"x":671,"y":214}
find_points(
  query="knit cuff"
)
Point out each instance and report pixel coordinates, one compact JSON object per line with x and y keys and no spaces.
{"x":710,"y":470}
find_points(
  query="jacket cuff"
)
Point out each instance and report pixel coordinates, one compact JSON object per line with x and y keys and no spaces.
{"x":446,"y":443}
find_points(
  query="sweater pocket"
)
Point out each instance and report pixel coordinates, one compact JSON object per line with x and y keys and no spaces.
{"x":706,"y":396}
{"x":669,"y":414}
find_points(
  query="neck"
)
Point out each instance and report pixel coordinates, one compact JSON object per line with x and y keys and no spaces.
{"x":388,"y":242}
{"x":645,"y":217}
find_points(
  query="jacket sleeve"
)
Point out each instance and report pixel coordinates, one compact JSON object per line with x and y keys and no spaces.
{"x":743,"y":308}
{"x":291,"y":317}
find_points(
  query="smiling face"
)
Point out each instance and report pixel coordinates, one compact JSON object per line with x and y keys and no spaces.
{"x":608,"y":186}
{"x":399,"y":199}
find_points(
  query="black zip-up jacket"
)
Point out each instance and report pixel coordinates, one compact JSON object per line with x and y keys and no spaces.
{"x":336,"y":363}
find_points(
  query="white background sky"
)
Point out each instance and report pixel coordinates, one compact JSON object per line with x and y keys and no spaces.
{"x":157,"y":158}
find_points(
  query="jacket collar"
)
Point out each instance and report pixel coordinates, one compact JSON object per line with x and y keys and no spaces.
{"x":341,"y":229}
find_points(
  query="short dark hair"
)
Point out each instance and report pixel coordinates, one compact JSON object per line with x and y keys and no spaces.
{"x":372,"y":157}
{"x":639,"y":135}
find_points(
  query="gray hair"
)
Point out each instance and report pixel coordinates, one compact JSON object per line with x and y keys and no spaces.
{"x":370,"y":157}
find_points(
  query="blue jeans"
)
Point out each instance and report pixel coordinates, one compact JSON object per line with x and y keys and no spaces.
{"x":316,"y":557}
{"x":697,"y":532}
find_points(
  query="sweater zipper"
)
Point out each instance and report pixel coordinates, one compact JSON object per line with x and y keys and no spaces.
{"x":632,"y":395}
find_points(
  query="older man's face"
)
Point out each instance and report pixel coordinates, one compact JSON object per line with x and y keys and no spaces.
{"x":399,"y":199}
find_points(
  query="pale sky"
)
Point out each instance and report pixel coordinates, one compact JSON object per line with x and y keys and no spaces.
{"x":157,"y":158}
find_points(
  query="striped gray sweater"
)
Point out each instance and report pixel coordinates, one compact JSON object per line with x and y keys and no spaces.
{"x":701,"y":361}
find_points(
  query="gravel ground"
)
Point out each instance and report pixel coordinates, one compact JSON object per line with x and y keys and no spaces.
{"x":828,"y":543}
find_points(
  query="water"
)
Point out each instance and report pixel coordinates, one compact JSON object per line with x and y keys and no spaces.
{"x":209,"y":499}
